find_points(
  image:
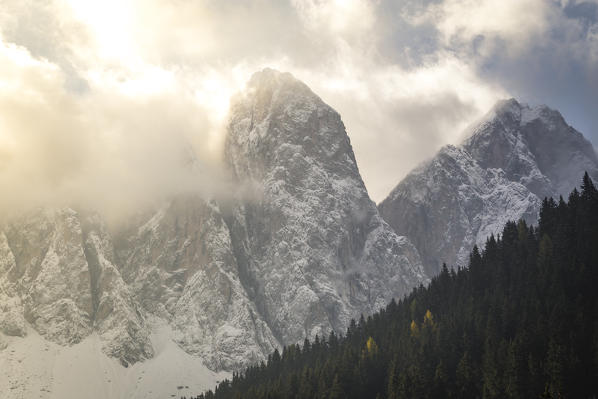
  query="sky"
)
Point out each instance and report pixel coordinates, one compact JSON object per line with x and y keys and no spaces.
{"x":99,"y":99}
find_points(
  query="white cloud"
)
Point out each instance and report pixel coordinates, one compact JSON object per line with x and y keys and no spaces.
{"x":113,"y":148}
{"x":98,"y":99}
{"x":508,"y":28}
{"x":396,"y":118}
{"x":517,"y":22}
{"x":336,"y":16}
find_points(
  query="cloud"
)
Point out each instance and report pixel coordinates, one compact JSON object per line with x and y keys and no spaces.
{"x":337,"y":17}
{"x":396,"y":118}
{"x":109,"y":148}
{"x":513,"y":29}
{"x":514,"y":22}
{"x":101,"y":101}
{"x":539,"y":51}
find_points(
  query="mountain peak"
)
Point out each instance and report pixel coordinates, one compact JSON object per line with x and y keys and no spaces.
{"x":533,"y":145}
{"x":519,"y":114}
{"x":517,"y":155}
{"x":269,"y":77}
{"x":508,"y":105}
{"x":314,"y":236}
{"x":269,"y":84}
{"x":278,"y":112}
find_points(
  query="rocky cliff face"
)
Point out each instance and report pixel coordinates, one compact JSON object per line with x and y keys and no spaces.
{"x":58,"y":276}
{"x":312,"y":250}
{"x":181,"y":266}
{"x":299,"y":252}
{"x":511,"y":160}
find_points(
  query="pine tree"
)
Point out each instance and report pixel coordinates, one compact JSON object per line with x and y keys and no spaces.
{"x":371,"y":348}
{"x":554,"y":371}
{"x":465,"y":378}
{"x":336,"y":391}
{"x":491,"y":382}
{"x":588,"y":190}
{"x":392,"y":390}
{"x":518,"y":322}
{"x":513,"y":372}
{"x":440,"y":381}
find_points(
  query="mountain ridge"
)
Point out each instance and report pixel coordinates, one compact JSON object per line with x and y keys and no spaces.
{"x":513,"y":158}
{"x":304,"y":253}
{"x":299,"y":252}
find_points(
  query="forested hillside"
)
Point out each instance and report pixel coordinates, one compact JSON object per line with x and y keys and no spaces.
{"x":520,"y":322}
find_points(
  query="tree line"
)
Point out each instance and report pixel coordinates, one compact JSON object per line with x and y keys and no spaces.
{"x":521,"y":321}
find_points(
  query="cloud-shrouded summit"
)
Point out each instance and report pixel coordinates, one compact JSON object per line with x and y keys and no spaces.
{"x":200,"y":287}
{"x":100,"y":101}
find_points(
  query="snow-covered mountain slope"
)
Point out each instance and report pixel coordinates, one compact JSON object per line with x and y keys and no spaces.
{"x":510,"y":161}
{"x":533,"y":146}
{"x":181,"y":266}
{"x":58,"y":273}
{"x":299,"y":251}
{"x":311,"y":247}
{"x":33,"y":367}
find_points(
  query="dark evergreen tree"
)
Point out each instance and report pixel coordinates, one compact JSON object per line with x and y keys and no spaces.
{"x":519,"y":322}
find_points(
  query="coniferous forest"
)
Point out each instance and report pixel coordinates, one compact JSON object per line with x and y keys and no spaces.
{"x":520,"y":322}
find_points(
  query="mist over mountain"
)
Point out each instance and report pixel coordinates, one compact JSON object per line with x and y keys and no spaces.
{"x":168,"y":216}
{"x":288,"y":246}
{"x":297,"y":251}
